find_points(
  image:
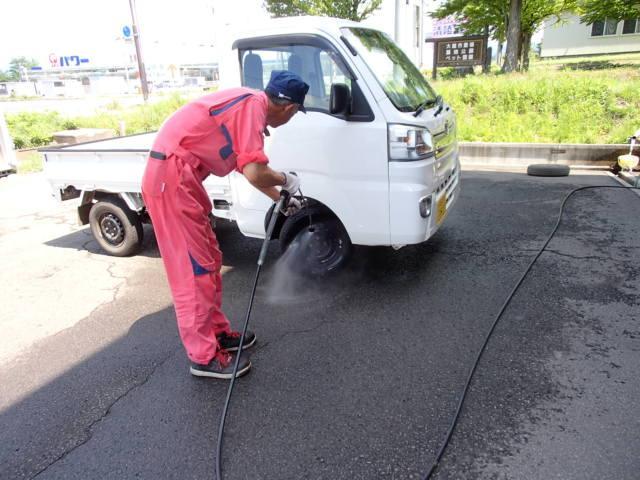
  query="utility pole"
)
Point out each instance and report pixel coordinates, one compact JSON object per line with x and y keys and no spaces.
{"x":396,"y":29}
{"x":136,"y":39}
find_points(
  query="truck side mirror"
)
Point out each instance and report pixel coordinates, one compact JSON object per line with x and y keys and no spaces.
{"x":340,"y":98}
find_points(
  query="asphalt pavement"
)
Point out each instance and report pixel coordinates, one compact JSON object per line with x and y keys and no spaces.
{"x":354,"y":377}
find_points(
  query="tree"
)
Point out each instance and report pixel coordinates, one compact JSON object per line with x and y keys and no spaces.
{"x":356,"y":10}
{"x":476,"y":15}
{"x":593,"y":10}
{"x":18,"y":64}
{"x":514,"y":44}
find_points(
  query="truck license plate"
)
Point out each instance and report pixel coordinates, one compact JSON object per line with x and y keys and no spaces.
{"x":441,"y":209}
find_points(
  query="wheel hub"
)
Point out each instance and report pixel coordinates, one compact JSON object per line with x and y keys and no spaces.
{"x":320,"y":249}
{"x":112,"y":228}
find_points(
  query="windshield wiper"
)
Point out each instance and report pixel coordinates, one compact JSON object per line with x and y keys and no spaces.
{"x":427,"y":103}
{"x":440,"y":106}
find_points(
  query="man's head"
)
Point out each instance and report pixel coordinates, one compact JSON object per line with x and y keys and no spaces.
{"x":286,"y":92}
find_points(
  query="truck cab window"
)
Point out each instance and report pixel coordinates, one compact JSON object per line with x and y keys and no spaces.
{"x":317,"y":67}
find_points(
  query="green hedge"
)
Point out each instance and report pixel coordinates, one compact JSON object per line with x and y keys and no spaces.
{"x":546,"y":106}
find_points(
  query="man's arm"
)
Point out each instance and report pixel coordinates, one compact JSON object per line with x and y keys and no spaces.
{"x":264,"y":179}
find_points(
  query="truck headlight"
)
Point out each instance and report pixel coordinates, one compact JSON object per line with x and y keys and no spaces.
{"x":408,"y":143}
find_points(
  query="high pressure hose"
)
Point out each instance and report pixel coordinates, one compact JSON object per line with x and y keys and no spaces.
{"x":436,"y":463}
{"x":282,"y":201}
{"x":456,"y":416}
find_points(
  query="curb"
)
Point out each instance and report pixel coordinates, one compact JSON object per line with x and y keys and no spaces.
{"x":583,"y":156}
{"x":626,"y":184}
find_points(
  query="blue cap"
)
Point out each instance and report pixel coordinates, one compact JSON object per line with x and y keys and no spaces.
{"x":288,"y":85}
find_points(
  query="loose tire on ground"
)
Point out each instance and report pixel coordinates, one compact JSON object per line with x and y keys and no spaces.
{"x":548,"y":170}
{"x":115,"y":227}
{"x":331,"y":244}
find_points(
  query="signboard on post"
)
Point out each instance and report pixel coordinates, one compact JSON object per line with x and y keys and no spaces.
{"x":445,"y":27}
{"x":458,"y":52}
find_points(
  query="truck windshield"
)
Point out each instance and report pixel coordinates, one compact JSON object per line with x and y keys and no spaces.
{"x":403,"y":83}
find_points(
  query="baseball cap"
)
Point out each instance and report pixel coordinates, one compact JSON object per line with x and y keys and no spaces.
{"x":288,"y":85}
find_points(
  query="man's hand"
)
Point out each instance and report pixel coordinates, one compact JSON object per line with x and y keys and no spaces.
{"x":291,"y":183}
{"x":293,"y":207}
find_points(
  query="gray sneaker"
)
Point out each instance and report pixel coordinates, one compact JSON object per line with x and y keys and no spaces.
{"x":221,"y":366}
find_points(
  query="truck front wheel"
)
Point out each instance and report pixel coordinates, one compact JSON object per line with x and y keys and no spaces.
{"x":318,"y":250}
{"x":115,"y":227}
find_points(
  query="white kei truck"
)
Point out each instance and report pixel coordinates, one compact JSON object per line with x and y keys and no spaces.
{"x":376,"y":152}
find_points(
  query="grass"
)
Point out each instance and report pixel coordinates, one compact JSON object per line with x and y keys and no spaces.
{"x":570,"y":101}
{"x":36,"y":129}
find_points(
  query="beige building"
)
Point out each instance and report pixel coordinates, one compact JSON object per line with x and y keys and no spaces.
{"x":570,"y":37}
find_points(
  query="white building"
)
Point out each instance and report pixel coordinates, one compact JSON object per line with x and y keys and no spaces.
{"x":570,"y":37}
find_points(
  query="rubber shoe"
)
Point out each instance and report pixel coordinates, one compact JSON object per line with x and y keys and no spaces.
{"x":230,"y":341}
{"x":221,"y":366}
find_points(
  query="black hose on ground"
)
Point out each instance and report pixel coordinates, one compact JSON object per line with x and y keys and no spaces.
{"x":284,"y":197}
{"x":456,"y":416}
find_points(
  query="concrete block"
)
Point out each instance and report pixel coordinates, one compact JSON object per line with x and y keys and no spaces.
{"x":81,"y":135}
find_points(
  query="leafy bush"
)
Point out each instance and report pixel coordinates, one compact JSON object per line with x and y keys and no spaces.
{"x":31,"y":129}
{"x":546,"y":106}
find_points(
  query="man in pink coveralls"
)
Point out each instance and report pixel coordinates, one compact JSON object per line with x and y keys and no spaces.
{"x":215,"y":134}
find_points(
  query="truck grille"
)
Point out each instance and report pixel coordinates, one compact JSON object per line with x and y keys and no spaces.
{"x":448,"y":186}
{"x":448,"y":183}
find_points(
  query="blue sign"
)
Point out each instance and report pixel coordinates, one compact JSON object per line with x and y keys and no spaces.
{"x":70,"y":61}
{"x":126,"y":31}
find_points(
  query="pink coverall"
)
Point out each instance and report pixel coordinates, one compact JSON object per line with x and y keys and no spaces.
{"x":212,"y":135}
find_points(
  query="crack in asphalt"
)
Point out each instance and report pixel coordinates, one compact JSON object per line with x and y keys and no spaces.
{"x":578,"y":257}
{"x":111,"y":264}
{"x":88,"y":429}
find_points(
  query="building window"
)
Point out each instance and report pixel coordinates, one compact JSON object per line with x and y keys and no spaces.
{"x":631,"y":26}
{"x":608,"y":26}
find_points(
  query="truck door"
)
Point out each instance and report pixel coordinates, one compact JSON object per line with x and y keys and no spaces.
{"x":340,"y":157}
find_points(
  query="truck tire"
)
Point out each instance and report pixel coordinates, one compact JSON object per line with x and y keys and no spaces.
{"x":324,"y":250}
{"x":116,"y":228}
{"x":548,"y":170}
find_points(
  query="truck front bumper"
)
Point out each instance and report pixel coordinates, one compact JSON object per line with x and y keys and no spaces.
{"x":421,"y":199}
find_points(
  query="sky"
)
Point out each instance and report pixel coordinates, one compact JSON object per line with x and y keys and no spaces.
{"x":172,"y":31}
{"x":184,"y":29}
